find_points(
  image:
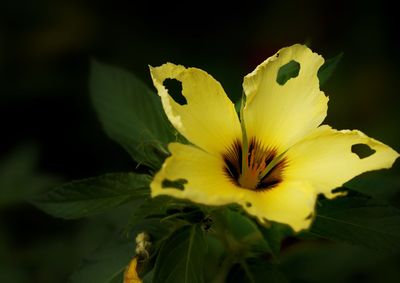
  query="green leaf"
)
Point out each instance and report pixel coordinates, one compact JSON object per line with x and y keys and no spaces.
{"x":327,"y":69}
{"x":94,"y":195}
{"x":181,"y":258}
{"x":152,"y":207}
{"x":13,"y":274}
{"x":159,"y":217}
{"x":275,"y":234}
{"x":18,"y":177}
{"x":166,"y":207}
{"x":331,"y":262}
{"x":359,"y":220}
{"x":131,"y":114}
{"x":256,"y":271}
{"x":383,"y":186}
{"x":148,"y":278}
{"x":215,"y":257}
{"x":242,"y":234}
{"x":106,"y":265}
{"x":238,"y":105}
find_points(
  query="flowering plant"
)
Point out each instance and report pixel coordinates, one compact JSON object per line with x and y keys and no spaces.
{"x":225,"y":185}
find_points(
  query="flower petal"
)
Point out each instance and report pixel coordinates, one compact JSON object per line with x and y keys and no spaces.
{"x":131,"y":274}
{"x":209,"y":119}
{"x":326,"y":160}
{"x":194,"y":174}
{"x":280,"y":115}
{"x":190,"y":173}
{"x":290,"y":202}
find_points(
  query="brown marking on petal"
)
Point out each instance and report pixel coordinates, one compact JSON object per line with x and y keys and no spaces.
{"x":273,"y":177}
{"x":257,"y":158}
{"x":233,"y":158}
{"x":310,"y":216}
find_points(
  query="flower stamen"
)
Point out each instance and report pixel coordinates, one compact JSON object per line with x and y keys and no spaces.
{"x":262,"y":168}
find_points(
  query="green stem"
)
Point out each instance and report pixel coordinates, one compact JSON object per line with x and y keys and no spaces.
{"x":222,"y":234}
{"x":245,"y":142}
{"x":247,"y":271}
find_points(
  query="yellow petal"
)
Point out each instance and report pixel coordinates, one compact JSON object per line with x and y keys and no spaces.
{"x":280,"y":115}
{"x":209,"y":119}
{"x":326,"y":160}
{"x":290,"y":202}
{"x":131,"y":275}
{"x":194,"y":174}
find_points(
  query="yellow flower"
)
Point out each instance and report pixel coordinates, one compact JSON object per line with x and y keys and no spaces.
{"x":276,"y":158}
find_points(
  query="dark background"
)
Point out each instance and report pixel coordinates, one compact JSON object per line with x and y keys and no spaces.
{"x":50,"y":133}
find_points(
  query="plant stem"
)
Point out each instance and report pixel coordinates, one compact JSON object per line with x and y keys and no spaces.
{"x":245,"y":142}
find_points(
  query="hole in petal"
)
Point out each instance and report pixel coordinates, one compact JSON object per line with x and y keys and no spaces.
{"x":264,"y":221}
{"x":248,"y":204}
{"x":174,"y":184}
{"x":310,"y":216}
{"x":339,"y":190}
{"x":287,"y":72}
{"x":362,"y":150}
{"x":174,"y":88}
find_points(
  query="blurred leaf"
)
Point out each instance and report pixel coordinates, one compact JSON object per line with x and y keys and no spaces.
{"x":131,"y":114}
{"x":3,"y":243}
{"x":181,"y":258}
{"x":383,"y":186}
{"x":167,"y":208}
{"x":275,"y":234}
{"x":215,"y":255}
{"x":148,"y":278}
{"x":152,"y":207}
{"x":12,"y":274}
{"x":242,"y":234}
{"x":332,"y":262}
{"x":36,"y":255}
{"x":157,"y":206}
{"x":94,"y":195}
{"x":256,"y":271}
{"x":359,"y":220}
{"x":238,"y":105}
{"x":106,"y":265}
{"x":18,"y":179}
{"x":327,"y":69}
